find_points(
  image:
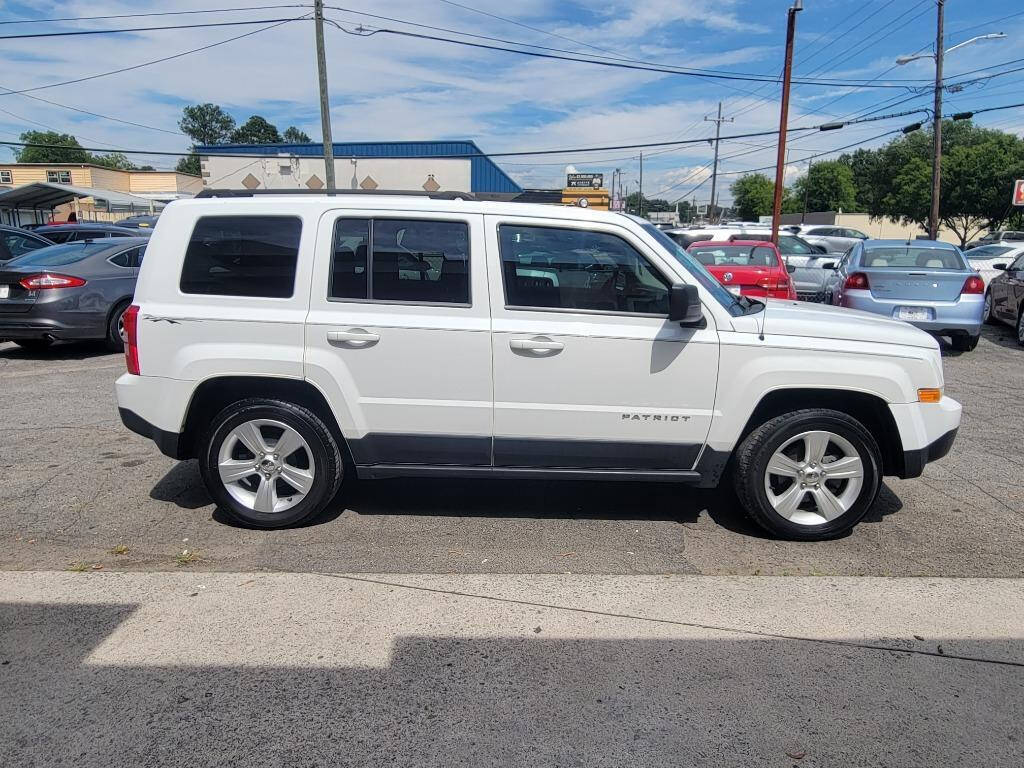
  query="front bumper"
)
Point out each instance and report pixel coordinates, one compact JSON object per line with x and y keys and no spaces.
{"x":914,"y":461}
{"x":947,"y":317}
{"x":927,"y":431}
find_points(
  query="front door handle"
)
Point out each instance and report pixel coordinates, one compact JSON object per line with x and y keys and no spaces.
{"x":355,"y":337}
{"x":536,"y":345}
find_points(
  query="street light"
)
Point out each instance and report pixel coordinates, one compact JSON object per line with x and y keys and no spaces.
{"x":907,"y":59}
{"x":938,"y":55}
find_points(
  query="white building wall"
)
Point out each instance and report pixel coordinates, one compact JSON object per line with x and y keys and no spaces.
{"x":294,"y":172}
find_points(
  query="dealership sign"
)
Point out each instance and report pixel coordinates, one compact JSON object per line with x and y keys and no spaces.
{"x":1018,"y":192}
{"x":591,"y":180}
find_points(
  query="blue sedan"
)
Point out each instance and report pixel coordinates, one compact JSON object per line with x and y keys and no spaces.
{"x":924,"y":282}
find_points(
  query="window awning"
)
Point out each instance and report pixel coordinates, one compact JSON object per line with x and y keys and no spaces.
{"x":49,"y":195}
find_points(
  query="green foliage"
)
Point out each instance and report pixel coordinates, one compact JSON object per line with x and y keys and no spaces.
{"x":115,"y":160}
{"x":189,"y":164}
{"x":293,"y":135}
{"x":827,"y":186}
{"x":655,"y":205}
{"x":256,"y":130}
{"x":752,"y":196}
{"x":69,"y":151}
{"x":206,"y":124}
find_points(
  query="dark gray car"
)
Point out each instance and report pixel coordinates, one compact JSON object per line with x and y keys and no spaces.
{"x":66,"y":233}
{"x":76,"y":290}
{"x":15,"y":241}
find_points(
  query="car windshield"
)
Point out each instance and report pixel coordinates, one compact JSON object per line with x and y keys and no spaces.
{"x":734,"y":255}
{"x":904,"y":257}
{"x":988,"y":251}
{"x":735,"y":305}
{"x":58,"y":255}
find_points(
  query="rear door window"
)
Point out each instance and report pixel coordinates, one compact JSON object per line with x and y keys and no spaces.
{"x":14,"y":244}
{"x":416,"y":261}
{"x":242,"y":256}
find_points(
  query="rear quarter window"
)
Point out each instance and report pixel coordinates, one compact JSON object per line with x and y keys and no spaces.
{"x":252,"y":256}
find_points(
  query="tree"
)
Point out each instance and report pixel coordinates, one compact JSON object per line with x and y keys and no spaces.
{"x":293,"y":135}
{"x":256,"y":130}
{"x":655,"y":205}
{"x":827,"y":186}
{"x":206,"y":124}
{"x":68,"y":151}
{"x":190,"y":165}
{"x":116,"y":160}
{"x":752,"y":196}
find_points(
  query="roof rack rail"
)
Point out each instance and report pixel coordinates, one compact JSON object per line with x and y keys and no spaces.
{"x":391,"y":192}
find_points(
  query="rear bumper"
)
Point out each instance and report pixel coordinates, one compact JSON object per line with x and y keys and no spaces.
{"x":948,"y":317}
{"x":169,"y":443}
{"x":24,"y":326}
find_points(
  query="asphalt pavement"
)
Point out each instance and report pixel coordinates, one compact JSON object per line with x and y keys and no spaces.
{"x":81,"y":492}
{"x":243,"y":669}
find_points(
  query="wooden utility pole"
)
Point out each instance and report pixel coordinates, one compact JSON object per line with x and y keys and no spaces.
{"x":325,"y":106}
{"x":640,"y":198}
{"x":933,"y":218}
{"x":714,"y":170}
{"x":780,"y":160}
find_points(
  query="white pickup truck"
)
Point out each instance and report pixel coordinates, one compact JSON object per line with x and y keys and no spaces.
{"x":290,"y":341}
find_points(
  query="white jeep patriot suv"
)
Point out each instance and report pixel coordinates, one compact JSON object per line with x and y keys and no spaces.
{"x":286,"y":341}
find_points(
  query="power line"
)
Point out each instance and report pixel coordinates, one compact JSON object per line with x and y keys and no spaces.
{"x":78,"y":32}
{"x":153,"y":61}
{"x":621,"y":65}
{"x":94,"y":114}
{"x":153,"y":13}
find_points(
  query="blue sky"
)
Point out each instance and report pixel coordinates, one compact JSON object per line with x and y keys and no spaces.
{"x":387,"y":87}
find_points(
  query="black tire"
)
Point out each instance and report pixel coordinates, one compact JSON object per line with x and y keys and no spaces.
{"x":34,"y":345}
{"x":113,"y":341}
{"x":326,"y":457}
{"x":1020,"y":327}
{"x":964,"y":343}
{"x":751,"y":462}
{"x":987,"y":315}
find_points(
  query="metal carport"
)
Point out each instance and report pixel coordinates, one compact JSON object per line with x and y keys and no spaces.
{"x":31,"y":198}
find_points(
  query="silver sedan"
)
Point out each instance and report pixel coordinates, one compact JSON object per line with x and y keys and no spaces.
{"x":926,"y":283}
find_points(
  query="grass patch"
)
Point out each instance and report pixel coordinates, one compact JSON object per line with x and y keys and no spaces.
{"x":78,"y":567}
{"x":186,"y":557}
{"x":120,"y":549}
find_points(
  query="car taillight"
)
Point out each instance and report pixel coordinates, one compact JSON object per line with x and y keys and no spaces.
{"x":47,"y":280}
{"x":973,"y":284}
{"x":131,"y":346}
{"x":856,"y":281}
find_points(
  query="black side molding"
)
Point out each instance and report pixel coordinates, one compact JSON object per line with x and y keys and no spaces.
{"x":169,"y":443}
{"x":914,"y":461}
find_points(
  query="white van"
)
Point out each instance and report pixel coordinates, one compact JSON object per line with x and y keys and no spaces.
{"x":289,"y":342}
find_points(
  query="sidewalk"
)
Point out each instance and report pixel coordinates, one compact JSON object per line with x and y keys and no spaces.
{"x":143,"y":669}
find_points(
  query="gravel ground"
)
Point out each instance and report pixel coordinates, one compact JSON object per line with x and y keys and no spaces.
{"x":76,"y":486}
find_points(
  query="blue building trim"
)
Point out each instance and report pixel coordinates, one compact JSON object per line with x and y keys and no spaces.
{"x":485,"y":175}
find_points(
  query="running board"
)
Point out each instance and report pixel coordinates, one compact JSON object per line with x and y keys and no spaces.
{"x":384,"y":471}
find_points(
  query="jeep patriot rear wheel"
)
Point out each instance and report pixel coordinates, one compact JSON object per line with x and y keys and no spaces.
{"x":269,"y":463}
{"x":808,"y":475}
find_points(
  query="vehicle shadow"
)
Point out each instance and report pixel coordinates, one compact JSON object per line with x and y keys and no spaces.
{"x":59,"y":352}
{"x":523,"y":499}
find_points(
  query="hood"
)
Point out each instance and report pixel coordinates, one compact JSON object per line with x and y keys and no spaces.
{"x":821,"y":321}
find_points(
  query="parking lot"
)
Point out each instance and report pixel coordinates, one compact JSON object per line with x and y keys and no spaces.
{"x":78,"y":487}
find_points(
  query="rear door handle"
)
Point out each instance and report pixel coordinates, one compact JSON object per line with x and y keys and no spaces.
{"x":356,"y":337}
{"x":536,"y":345}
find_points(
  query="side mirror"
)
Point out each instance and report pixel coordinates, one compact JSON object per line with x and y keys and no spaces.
{"x":829,"y":265}
{"x":684,"y":305}
{"x":1000,"y":267}
{"x":791,"y":268}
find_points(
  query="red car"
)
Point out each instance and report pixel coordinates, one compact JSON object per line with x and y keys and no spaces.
{"x":747,"y":267}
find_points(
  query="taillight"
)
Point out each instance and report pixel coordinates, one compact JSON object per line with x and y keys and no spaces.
{"x":47,"y":280}
{"x":131,"y":345}
{"x":856,"y":281}
{"x":974,"y":284}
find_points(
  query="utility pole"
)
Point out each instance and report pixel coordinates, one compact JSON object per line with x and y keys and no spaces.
{"x":714,"y":171}
{"x":933,"y":218}
{"x":325,"y":106}
{"x":780,"y":159}
{"x":640,"y":196}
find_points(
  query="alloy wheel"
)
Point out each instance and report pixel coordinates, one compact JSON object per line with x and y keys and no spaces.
{"x":122,"y":334}
{"x":987,"y":311}
{"x":814,"y":477}
{"x":266,"y":465}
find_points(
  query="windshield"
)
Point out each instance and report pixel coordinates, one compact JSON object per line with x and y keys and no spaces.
{"x":989,"y":251}
{"x":791,"y":245}
{"x":734,"y":255}
{"x":896,"y":257}
{"x":735,"y":305}
{"x":58,"y":255}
